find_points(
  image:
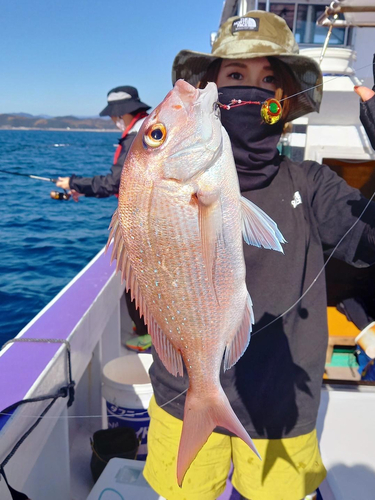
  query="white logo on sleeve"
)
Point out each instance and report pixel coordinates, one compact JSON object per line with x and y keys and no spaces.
{"x":297,"y":200}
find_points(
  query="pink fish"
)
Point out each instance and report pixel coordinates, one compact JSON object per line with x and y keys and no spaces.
{"x":178,"y":236}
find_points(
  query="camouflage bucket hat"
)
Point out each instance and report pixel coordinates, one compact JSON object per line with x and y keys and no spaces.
{"x":257,"y":34}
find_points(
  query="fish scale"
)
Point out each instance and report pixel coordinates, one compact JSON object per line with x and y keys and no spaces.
{"x":178,"y":240}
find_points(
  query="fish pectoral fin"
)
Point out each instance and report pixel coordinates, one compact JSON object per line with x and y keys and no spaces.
{"x":210,"y":229}
{"x":201,"y":416}
{"x":258,"y":228}
{"x":238,"y":345}
{"x":170,"y":357}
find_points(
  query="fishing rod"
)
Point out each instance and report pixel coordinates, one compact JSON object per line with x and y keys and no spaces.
{"x":55,"y":195}
{"x":48,"y":179}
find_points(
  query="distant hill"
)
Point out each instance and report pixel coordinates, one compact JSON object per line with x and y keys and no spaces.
{"x":24,"y":120}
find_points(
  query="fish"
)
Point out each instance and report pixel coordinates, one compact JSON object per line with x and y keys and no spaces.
{"x":178,"y":240}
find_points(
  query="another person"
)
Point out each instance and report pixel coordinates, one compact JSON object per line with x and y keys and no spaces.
{"x":275,"y":386}
{"x":128,"y":112}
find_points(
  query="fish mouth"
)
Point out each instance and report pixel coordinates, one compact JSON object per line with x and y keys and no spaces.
{"x":208,"y":98}
{"x":191,"y":96}
{"x":203,"y":104}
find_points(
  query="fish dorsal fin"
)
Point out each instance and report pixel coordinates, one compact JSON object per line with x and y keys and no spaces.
{"x":118,"y":250}
{"x":113,"y":226}
{"x":258,"y":229}
{"x":170,"y":357}
{"x":241,"y":340}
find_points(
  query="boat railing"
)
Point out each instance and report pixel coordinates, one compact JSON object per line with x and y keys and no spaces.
{"x":84,"y":316}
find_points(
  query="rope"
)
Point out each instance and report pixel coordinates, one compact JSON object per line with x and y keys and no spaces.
{"x":27,"y":433}
{"x":68,"y":389}
{"x":113,"y":491}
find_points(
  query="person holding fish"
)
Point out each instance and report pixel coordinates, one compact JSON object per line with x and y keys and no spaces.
{"x":194,"y":184}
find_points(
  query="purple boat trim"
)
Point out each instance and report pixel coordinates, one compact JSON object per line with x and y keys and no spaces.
{"x":22,"y":363}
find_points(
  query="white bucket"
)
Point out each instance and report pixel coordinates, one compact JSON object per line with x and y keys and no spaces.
{"x":127,"y":390}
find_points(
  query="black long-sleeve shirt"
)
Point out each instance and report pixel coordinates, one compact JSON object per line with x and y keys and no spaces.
{"x":102,"y":186}
{"x":275,"y":386}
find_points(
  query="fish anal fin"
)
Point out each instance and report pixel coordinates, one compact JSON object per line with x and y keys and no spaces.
{"x":241,"y":339}
{"x":258,"y":228}
{"x":170,"y":357}
{"x":201,"y":416}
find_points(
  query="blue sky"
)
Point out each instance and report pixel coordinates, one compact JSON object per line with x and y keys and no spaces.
{"x":61,"y":57}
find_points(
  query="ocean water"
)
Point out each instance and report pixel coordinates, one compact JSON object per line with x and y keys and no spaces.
{"x":45,"y":242}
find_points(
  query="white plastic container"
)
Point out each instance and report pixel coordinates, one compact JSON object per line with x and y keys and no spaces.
{"x":123,"y":478}
{"x":127,"y":390}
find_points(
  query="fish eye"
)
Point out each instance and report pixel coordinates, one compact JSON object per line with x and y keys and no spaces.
{"x":155,"y":135}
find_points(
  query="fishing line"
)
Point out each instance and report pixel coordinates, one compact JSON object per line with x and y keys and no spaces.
{"x":320,"y":84}
{"x":320,"y":272}
{"x":90,"y":416}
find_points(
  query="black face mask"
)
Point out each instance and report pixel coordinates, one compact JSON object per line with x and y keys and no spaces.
{"x":253,"y":141}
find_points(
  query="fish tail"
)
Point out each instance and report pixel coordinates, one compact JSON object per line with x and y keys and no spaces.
{"x":200,"y":419}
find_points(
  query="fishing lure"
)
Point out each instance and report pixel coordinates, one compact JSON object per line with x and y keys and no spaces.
{"x":270,"y":111}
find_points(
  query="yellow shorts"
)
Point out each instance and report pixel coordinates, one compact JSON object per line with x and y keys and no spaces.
{"x":290,"y":468}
